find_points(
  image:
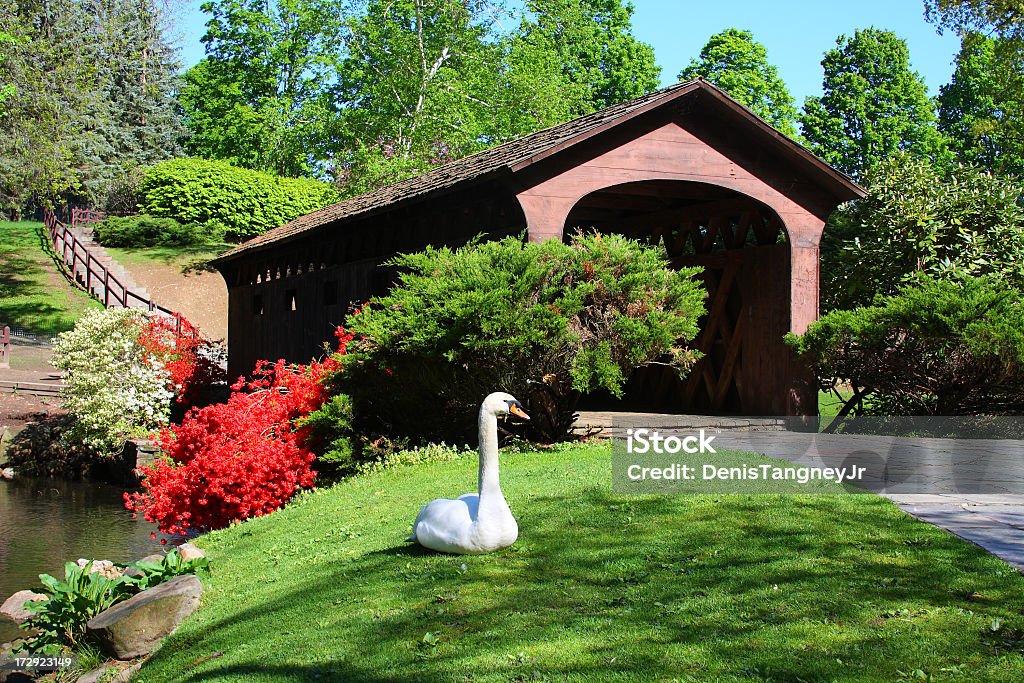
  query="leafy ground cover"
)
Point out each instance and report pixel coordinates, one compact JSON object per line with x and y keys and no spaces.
{"x":599,"y":587}
{"x":33,"y":294}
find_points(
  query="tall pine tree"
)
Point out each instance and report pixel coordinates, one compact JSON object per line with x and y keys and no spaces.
{"x":88,"y":97}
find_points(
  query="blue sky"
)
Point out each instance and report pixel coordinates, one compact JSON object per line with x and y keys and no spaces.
{"x":795,"y":32}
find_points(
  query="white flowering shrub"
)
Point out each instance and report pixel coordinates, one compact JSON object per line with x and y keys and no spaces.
{"x":114,"y":389}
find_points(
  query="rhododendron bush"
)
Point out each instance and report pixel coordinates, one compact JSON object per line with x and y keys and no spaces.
{"x":245,"y":458}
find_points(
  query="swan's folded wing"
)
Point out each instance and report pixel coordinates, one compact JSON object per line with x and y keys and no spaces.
{"x":444,"y":525}
{"x":472,"y":501}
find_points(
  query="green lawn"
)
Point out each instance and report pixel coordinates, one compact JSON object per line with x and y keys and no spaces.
{"x":599,"y":587}
{"x":187,"y":258}
{"x":829,"y":404}
{"x":33,"y":295}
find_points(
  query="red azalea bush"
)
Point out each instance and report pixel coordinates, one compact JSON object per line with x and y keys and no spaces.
{"x":184,"y":353}
{"x":245,"y":458}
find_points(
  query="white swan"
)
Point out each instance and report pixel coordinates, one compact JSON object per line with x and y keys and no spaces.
{"x":475,"y":522}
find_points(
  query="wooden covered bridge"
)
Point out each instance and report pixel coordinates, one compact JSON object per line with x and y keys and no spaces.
{"x":686,"y":166}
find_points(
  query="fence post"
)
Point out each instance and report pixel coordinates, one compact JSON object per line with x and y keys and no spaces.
{"x":106,"y":288}
{"x":5,"y":347}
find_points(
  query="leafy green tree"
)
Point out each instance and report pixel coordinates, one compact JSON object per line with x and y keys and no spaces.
{"x":980,"y":110}
{"x":415,"y":89}
{"x":259,"y":98}
{"x":534,"y":88}
{"x":602,"y":62}
{"x":873,"y":104}
{"x":426,"y":81}
{"x":221,"y":122}
{"x":738,"y":64}
{"x":917,"y":221}
{"x":7,"y":90}
{"x":1003,"y":18}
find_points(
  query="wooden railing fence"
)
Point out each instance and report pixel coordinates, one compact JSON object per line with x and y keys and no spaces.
{"x":89,"y":272}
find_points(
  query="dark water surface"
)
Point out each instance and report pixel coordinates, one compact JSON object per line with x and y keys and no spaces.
{"x":47,"y":522}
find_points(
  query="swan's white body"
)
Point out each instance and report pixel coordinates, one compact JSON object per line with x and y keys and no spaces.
{"x":475,"y":522}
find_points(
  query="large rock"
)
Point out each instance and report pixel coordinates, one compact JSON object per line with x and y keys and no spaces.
{"x":135,"y":627}
{"x":111,"y":673}
{"x":104,"y":568}
{"x":14,"y":606}
{"x":9,"y":671}
{"x":190,"y":551}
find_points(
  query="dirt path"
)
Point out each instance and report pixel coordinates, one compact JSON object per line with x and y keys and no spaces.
{"x":30,"y":362}
{"x":201,"y":296}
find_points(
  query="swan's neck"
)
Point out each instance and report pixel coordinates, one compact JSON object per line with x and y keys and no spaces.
{"x":489,"y":484}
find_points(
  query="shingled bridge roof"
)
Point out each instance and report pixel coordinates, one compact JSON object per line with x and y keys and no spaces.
{"x":515,"y":155}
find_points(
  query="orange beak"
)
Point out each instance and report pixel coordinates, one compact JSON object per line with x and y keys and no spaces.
{"x":518,"y":412}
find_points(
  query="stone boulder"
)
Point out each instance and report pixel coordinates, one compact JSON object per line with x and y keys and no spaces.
{"x":133,"y":573}
{"x":135,"y":627}
{"x":9,"y":671}
{"x":111,"y":673}
{"x":190,"y":551}
{"x":104,"y":568}
{"x":14,"y":606}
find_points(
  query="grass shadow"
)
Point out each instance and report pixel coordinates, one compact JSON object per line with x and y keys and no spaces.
{"x":36,"y":293}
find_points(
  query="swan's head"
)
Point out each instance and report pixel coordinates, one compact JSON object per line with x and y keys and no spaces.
{"x":501,"y":404}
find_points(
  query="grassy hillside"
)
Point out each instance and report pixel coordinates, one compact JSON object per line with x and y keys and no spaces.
{"x":33,"y":295}
{"x":186,"y":259}
{"x":599,"y":587}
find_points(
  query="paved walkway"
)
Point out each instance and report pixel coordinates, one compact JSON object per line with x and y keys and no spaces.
{"x":993,"y":522}
{"x":31,"y":371}
{"x":973,"y":488}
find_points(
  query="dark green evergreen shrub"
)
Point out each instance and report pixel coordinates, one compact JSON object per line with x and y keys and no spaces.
{"x":938,"y":347}
{"x":545,"y":322}
{"x":330,"y":429}
{"x":150,"y":231}
{"x":238,"y":202}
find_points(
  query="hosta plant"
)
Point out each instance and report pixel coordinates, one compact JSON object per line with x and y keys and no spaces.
{"x":61,"y":620}
{"x":148,"y":573}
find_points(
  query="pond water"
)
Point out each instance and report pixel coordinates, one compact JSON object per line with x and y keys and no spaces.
{"x":46,"y":522}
